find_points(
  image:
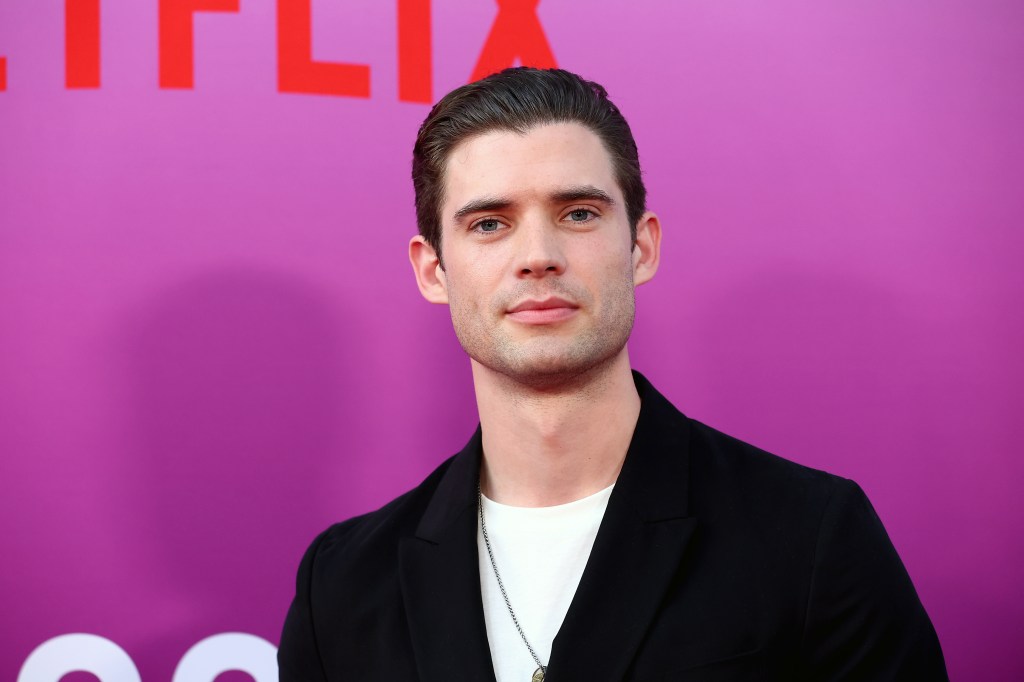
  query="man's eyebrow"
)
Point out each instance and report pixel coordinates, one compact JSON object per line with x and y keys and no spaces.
{"x":582,"y":193}
{"x":482,"y":205}
{"x":562,"y":196}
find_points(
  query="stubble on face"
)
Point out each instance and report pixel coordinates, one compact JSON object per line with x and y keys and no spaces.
{"x":544,"y":358}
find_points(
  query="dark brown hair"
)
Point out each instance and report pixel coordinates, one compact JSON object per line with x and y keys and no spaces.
{"x":518,"y":99}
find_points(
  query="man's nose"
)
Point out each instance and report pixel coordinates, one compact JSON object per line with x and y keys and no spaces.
{"x":540,"y":252}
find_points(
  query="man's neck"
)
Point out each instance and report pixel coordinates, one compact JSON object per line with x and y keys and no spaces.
{"x":558,"y":444}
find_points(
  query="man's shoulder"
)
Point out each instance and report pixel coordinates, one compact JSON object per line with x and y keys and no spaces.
{"x":762,"y":486}
{"x":347,"y":591}
{"x":375,"y":535}
{"x":714,"y":451}
{"x":717,"y":462}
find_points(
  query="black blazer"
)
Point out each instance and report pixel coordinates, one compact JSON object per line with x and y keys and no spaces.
{"x":714,"y":561}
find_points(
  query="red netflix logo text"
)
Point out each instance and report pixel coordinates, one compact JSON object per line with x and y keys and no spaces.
{"x":516,"y":34}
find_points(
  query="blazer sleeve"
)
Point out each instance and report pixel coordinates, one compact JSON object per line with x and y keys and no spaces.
{"x":864,"y":620}
{"x":298,"y":658}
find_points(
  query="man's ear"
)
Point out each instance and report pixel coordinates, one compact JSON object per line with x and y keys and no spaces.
{"x":426,"y":264}
{"x":647,"y":249}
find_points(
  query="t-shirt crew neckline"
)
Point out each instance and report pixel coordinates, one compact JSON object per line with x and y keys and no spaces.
{"x":595,"y":499}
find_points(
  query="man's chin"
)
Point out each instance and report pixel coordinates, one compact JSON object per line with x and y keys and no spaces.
{"x":550,"y":372}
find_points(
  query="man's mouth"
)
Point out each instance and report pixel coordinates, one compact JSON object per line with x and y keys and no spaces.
{"x":542,"y":311}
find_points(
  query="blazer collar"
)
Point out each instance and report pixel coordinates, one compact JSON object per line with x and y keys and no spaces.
{"x":455,"y":492}
{"x":637,"y":553}
{"x":655,"y":474}
{"x":638,"y":549}
{"x":440,"y":579}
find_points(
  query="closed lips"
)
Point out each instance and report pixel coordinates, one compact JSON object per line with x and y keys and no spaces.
{"x":546,"y":304}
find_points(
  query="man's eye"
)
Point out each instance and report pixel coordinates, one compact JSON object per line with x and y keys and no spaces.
{"x":488,"y":225}
{"x":580,"y":215}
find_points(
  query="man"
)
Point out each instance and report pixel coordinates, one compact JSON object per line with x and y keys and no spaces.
{"x":588,"y":531}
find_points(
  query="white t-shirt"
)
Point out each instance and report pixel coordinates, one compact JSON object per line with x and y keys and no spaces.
{"x":541,"y":553}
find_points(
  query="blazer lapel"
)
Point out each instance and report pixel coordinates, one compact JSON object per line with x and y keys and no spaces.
{"x":637,"y":553}
{"x":440,"y":579}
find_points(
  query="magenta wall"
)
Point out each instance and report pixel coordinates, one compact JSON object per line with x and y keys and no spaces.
{"x":211,"y":345}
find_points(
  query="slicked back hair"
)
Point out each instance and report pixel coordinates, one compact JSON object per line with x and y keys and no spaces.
{"x":518,"y":99}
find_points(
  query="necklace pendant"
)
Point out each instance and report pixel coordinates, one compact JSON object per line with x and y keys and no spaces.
{"x":538,"y":675}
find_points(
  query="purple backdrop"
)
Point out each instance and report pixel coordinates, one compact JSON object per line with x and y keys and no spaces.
{"x":211,"y":344}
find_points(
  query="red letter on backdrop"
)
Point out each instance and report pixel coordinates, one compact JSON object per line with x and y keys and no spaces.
{"x":82,"y":43}
{"x":3,"y":73}
{"x":296,"y":70}
{"x":176,"y":70}
{"x":516,"y":33}
{"x":414,"y":52}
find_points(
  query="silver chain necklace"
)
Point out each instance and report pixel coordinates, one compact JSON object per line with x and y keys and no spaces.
{"x":538,"y":674}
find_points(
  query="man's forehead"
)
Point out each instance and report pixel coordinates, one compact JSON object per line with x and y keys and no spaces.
{"x":542,"y":160}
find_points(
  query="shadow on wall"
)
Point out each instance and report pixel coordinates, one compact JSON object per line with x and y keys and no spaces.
{"x":238,"y":402}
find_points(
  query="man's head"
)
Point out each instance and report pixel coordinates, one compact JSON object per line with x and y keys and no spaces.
{"x":516,"y":100}
{"x":542,"y":222}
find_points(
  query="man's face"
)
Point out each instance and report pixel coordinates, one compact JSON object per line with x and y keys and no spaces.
{"x":538,"y":260}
